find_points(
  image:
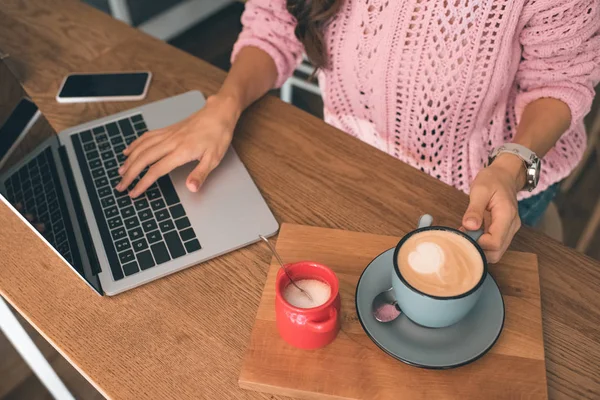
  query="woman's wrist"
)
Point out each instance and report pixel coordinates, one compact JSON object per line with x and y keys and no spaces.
{"x":227,"y":105}
{"x":514,"y":167}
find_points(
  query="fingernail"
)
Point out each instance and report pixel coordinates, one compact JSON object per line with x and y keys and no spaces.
{"x":194,"y":185}
{"x":471,"y":221}
{"x":119,"y":187}
{"x":121,"y":170}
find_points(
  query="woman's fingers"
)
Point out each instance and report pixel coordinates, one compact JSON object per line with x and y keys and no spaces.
{"x":198,"y":175}
{"x":141,"y":149}
{"x":162,"y":167}
{"x":138,"y":142}
{"x":149,"y":157}
{"x":504,"y":225}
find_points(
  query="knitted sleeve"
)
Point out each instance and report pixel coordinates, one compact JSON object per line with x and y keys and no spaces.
{"x":561,"y":54}
{"x":268,"y":26}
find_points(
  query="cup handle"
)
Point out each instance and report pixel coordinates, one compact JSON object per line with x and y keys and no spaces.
{"x":475,"y":235}
{"x":425,"y":221}
{"x":324,"y":326}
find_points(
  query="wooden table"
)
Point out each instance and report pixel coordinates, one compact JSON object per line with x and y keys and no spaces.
{"x":184,"y":336}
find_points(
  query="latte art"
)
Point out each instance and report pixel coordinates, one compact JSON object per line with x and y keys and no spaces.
{"x":440,"y":263}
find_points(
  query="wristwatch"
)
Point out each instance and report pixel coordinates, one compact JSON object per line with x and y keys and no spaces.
{"x":531,"y":162}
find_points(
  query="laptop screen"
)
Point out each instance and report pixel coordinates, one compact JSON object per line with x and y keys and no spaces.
{"x":36,"y":180}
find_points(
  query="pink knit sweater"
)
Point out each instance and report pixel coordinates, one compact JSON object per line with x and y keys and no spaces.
{"x":439,"y":83}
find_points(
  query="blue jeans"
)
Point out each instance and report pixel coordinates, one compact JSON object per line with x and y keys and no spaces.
{"x":532,"y":209}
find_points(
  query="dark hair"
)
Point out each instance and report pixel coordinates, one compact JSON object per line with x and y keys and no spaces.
{"x":312,"y":17}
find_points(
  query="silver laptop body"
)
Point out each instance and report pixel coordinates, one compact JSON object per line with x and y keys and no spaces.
{"x":226,"y":214}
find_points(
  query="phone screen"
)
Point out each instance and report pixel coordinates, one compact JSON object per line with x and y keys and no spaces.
{"x":104,"y":85}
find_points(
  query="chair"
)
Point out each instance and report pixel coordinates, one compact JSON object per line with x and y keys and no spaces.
{"x":594,"y":221}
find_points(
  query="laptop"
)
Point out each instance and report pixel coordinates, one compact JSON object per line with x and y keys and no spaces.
{"x":66,"y":182}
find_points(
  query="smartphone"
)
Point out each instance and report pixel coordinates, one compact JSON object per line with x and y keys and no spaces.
{"x":115,"y":86}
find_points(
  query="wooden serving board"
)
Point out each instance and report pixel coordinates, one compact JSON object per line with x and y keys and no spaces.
{"x":353,"y":367}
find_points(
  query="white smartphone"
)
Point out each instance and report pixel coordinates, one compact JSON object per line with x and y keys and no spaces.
{"x":109,"y":86}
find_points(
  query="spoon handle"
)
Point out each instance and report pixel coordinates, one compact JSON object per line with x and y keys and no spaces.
{"x":283,"y":265}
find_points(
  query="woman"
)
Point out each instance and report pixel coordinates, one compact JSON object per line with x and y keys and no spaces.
{"x":437,"y":84}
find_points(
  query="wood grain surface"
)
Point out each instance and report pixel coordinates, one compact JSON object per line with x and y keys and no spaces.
{"x":353,"y":367}
{"x":184,"y":336}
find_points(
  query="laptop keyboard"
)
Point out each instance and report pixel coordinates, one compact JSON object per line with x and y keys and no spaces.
{"x":140,"y":233}
{"x":36,"y":187}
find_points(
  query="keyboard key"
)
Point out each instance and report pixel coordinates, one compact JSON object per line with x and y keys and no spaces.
{"x":102,"y":138}
{"x":101,"y":182}
{"x":115,"y":181}
{"x":174,"y":244}
{"x":132,"y":222}
{"x":145,"y":214}
{"x":113,"y":129}
{"x":118,"y":233}
{"x":118,"y":194}
{"x":104,"y":191}
{"x":109,"y":164}
{"x":44,"y":219}
{"x":145,"y":260}
{"x":104,"y":146}
{"x":137,"y":118}
{"x":98,"y":130}
{"x":127,"y":212}
{"x":92,"y":155}
{"x":122,"y":244}
{"x":168,"y":191}
{"x":95,"y":164}
{"x":177,"y":211}
{"x":23,"y":173}
{"x":157,"y":204}
{"x":119,"y":149}
{"x":116,"y":140}
{"x":97,"y":173}
{"x":107,"y":155}
{"x":153,"y":194}
{"x":107,"y":202}
{"x":111,"y":212}
{"x":193,"y":245}
{"x":115,"y":222}
{"x":54,"y":216}
{"x":121,"y":158}
{"x":149,"y":225}
{"x":136,"y":234}
{"x":159,"y":251}
{"x":140,"y":245}
{"x":113,"y":173}
{"x":154,"y":236}
{"x":187,"y":234}
{"x":161,"y":215}
{"x":141,"y":127}
{"x":125,"y":126}
{"x":63,"y":248}
{"x":53,"y":206}
{"x":86,"y":136}
{"x":166,"y":225}
{"x":89,"y":146}
{"x":130,"y":139}
{"x":141,"y":204}
{"x":126,"y":257}
{"x":182,"y":223}
{"x":124,"y":202}
{"x":60,"y":236}
{"x":130,"y":268}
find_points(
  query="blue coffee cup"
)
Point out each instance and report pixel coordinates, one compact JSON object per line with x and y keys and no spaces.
{"x":435,"y":311}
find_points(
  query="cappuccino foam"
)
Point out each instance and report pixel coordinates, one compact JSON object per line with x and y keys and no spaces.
{"x":319,"y":293}
{"x":440,"y":263}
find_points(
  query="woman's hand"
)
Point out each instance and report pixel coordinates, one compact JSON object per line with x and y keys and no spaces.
{"x":493,"y":202}
{"x":204,"y":136}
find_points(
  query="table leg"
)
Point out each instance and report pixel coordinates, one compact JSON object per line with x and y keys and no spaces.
{"x":15,"y":333}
